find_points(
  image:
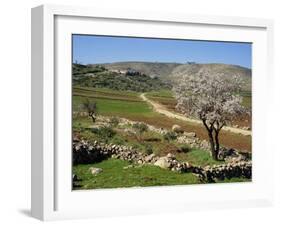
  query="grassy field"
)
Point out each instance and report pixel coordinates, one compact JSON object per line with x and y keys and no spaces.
{"x":115,"y":174}
{"x":129,"y":105}
{"x":110,"y":102}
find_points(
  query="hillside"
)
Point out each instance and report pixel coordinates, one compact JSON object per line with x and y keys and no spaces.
{"x":149,"y":68}
{"x":228,"y":70}
{"x":172,"y":71}
{"x":100,"y":77}
{"x":149,"y":76}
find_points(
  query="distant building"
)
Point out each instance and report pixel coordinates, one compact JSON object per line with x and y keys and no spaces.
{"x":128,"y":71}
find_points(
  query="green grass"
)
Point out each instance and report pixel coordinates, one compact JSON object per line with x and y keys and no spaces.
{"x":115,"y":107}
{"x":114,"y":175}
{"x":105,"y":92}
{"x":198,"y":157}
{"x":129,"y":105}
{"x":161,"y":93}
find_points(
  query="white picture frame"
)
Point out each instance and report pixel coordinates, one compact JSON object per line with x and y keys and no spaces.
{"x":51,"y":157}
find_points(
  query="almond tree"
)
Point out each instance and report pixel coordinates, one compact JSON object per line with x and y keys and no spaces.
{"x":213,"y":98}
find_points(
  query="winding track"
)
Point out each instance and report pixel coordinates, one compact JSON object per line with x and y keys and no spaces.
{"x":162,"y":110}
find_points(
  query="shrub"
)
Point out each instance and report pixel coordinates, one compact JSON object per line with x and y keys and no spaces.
{"x":136,"y":146}
{"x":105,"y":133}
{"x":114,"y":121}
{"x":118,"y":140}
{"x":170,"y":136}
{"x":140,"y":127}
{"x":148,"y":149}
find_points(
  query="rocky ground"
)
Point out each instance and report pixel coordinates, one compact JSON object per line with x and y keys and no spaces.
{"x":85,"y":153}
{"x":235,"y":165}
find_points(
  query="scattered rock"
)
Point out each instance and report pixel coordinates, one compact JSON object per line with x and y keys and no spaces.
{"x":149,"y":158}
{"x":171,"y":156}
{"x":163,"y":163}
{"x":190,"y":134}
{"x":95,"y":171}
{"x":128,"y":167}
{"x":177,"y":129}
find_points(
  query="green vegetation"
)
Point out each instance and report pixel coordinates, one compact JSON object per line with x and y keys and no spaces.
{"x":127,"y":104}
{"x":140,"y":129}
{"x":99,"y":77}
{"x":111,"y":107}
{"x":114,"y":175}
{"x":117,"y":95}
{"x":247,"y":98}
{"x":161,"y":93}
{"x":104,"y":133}
{"x":169,"y":136}
{"x":198,"y":157}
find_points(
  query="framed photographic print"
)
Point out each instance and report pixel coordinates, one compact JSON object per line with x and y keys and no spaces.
{"x":135,"y":112}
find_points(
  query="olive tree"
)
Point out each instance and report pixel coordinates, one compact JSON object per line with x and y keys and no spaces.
{"x":213,"y":98}
{"x":91,"y":109}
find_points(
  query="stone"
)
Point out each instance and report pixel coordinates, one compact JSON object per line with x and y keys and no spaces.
{"x":95,"y":171}
{"x":149,"y":157}
{"x":190,"y":134}
{"x":177,"y":129}
{"x":163,"y":163}
{"x":205,"y":145}
{"x":170,"y":156}
{"x":127,"y":167}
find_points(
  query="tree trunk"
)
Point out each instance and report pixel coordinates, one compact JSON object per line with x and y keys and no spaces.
{"x":213,"y":146}
{"x":93,"y":117}
{"x":217,"y":144}
{"x":214,"y":142}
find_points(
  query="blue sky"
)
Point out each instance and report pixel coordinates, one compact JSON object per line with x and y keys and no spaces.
{"x":104,"y":49}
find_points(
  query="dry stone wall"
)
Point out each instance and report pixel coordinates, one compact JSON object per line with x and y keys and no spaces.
{"x":85,"y":153}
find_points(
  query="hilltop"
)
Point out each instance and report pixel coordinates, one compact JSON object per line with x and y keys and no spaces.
{"x":149,"y":68}
{"x":148,"y":76}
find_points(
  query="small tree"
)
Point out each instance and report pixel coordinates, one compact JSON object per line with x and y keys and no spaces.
{"x":213,"y":98}
{"x":91,"y":108}
{"x":140,"y":128}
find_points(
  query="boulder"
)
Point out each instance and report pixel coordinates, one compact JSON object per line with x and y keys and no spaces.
{"x":177,"y":129}
{"x":171,"y":156}
{"x":95,"y":170}
{"x":163,"y":163}
{"x":149,"y":157}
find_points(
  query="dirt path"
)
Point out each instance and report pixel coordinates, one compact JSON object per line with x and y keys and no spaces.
{"x":162,"y":110}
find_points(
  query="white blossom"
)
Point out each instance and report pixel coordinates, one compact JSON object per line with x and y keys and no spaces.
{"x":213,"y":98}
